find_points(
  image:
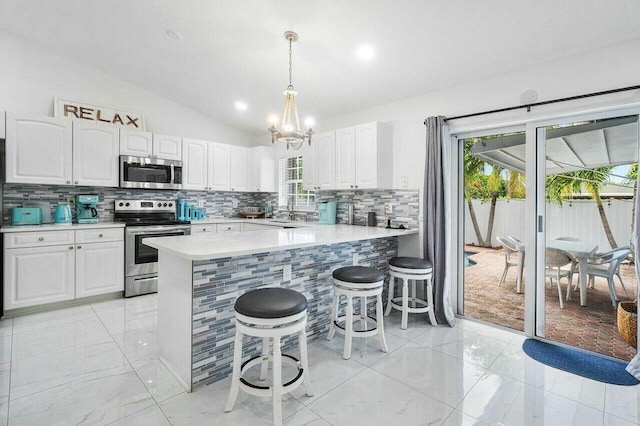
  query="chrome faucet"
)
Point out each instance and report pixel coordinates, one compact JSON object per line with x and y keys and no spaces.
{"x":292,"y":214}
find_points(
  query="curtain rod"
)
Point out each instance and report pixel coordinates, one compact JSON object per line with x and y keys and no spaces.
{"x":553,"y":101}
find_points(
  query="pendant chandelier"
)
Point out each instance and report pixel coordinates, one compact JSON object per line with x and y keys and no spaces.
{"x":289,"y":131}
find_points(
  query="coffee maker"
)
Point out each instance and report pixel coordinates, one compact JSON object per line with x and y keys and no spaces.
{"x":86,"y":211}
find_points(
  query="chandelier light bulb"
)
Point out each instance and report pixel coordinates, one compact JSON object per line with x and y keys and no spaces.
{"x":309,"y":122}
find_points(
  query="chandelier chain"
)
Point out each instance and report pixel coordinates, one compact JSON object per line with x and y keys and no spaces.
{"x":290,"y":67}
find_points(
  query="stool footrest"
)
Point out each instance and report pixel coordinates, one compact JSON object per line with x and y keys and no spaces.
{"x":396,"y":303}
{"x":265,"y":391}
{"x":340,"y":328}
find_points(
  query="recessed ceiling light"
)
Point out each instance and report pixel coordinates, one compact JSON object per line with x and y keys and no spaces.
{"x":174,"y":35}
{"x":241,"y":106}
{"x":365,"y":52}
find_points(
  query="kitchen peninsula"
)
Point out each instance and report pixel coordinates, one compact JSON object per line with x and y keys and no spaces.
{"x":200,"y":277}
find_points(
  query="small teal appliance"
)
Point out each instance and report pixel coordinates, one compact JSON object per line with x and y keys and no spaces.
{"x":327,"y":212}
{"x":182,"y":210}
{"x":63,"y":214}
{"x":86,"y":211}
{"x":26,"y":216}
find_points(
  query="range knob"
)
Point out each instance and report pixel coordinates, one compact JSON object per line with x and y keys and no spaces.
{"x":165,"y":204}
{"x":121,"y":204}
{"x":128,"y":204}
{"x":170,"y":204}
{"x":159,"y":204}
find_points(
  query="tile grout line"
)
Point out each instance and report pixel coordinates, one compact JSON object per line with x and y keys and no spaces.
{"x":132,"y":369}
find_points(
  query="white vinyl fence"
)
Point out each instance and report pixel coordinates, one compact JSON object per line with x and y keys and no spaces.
{"x":578,"y":218}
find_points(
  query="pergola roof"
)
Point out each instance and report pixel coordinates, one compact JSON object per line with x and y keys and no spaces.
{"x":611,"y":142}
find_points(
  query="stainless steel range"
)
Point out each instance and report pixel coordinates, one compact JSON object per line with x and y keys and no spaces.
{"x":145,"y":219}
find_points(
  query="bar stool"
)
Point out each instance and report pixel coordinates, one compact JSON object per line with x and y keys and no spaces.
{"x":357,"y":281}
{"x":410,"y":268}
{"x":270,"y":313}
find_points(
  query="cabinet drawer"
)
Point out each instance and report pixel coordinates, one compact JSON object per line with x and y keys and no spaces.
{"x":38,"y":239}
{"x":205,"y":227}
{"x":99,"y":235}
{"x":225,"y":227}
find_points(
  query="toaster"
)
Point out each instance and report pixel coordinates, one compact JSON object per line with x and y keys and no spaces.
{"x":26,"y":216}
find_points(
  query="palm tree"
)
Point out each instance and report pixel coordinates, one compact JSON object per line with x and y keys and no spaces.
{"x":473,"y":171}
{"x":632,"y":177}
{"x":494,"y":183}
{"x":564,"y":185}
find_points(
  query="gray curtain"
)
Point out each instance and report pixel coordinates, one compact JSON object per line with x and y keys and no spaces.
{"x":433,"y":211}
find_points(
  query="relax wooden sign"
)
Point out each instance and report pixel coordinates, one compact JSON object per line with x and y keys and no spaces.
{"x":98,"y":114}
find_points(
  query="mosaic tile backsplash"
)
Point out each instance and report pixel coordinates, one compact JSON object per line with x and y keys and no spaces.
{"x":220,"y":204}
{"x":217,"y":284}
{"x":406,"y":205}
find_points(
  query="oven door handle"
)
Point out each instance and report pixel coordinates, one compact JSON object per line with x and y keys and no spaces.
{"x":173,"y":175}
{"x":148,"y":230}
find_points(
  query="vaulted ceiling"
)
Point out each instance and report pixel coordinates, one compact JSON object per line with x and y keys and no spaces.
{"x":234,"y":49}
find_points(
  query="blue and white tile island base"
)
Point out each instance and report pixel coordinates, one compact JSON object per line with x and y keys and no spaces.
{"x":196,"y":297}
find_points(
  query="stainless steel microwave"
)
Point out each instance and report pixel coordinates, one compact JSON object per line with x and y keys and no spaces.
{"x":150,"y":173}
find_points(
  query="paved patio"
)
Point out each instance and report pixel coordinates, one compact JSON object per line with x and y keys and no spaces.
{"x":592,"y":327}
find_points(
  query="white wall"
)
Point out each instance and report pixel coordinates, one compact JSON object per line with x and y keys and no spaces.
{"x":578,"y":218}
{"x":31,"y":76}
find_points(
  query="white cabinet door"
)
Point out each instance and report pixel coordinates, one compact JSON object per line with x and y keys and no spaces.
{"x":96,"y":151}
{"x":239,"y":168}
{"x":37,"y":275}
{"x":367,"y":155}
{"x":99,"y":268}
{"x":3,"y":130}
{"x":345,"y":158}
{"x":229,"y":227}
{"x":262,"y":172}
{"x":310,"y":166}
{"x":219,"y":166}
{"x":194,"y":164}
{"x":136,"y":143}
{"x":167,"y":147}
{"x":203,"y":228}
{"x":326,"y":160}
{"x":38,"y":150}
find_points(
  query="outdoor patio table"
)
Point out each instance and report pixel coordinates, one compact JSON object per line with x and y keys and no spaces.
{"x":581,"y":251}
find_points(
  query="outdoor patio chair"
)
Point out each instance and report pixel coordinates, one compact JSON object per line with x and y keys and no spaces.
{"x":555,"y":260}
{"x":508,"y":248}
{"x":574,"y":262}
{"x":606,"y":266}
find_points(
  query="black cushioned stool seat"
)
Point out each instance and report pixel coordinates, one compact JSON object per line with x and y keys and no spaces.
{"x":271,"y":303}
{"x":410,"y":263}
{"x":358,"y":274}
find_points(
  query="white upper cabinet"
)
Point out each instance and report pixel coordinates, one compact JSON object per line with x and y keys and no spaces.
{"x":136,"y":143}
{"x":38,"y":150}
{"x":167,"y":147}
{"x":239,"y":165}
{"x":194,"y":164}
{"x":219,"y":167}
{"x":310,"y":164}
{"x":3,"y":131}
{"x":366,"y":156}
{"x":96,"y":149}
{"x":326,"y":160}
{"x":262,"y":173}
{"x":345,"y":158}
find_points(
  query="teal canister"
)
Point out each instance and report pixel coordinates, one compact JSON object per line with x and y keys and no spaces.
{"x":327,"y":212}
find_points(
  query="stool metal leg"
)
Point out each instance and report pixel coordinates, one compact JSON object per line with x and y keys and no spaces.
{"x":235,"y":377}
{"x":334,"y":316}
{"x":302,"y":337}
{"x":348,"y":328}
{"x":392,"y":280}
{"x":380,"y":324}
{"x":405,"y":303}
{"x":432,"y":314}
{"x":265,"y":358}
{"x":276,"y":388}
{"x":363,"y":313}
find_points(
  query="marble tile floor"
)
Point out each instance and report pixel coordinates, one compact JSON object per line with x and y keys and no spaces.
{"x":98,"y":364}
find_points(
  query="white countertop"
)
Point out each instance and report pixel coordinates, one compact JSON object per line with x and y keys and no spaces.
{"x":229,"y":244}
{"x":268,"y":222}
{"x":60,"y":227}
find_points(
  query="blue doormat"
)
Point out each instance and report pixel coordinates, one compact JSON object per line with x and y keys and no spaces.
{"x":583,"y":364}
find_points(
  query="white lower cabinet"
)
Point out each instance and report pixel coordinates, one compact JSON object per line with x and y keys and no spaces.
{"x":37,"y":275}
{"x":54,"y":266}
{"x":205,"y":228}
{"x":99,"y":268}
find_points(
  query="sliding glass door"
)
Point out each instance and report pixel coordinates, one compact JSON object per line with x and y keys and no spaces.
{"x":586,"y":174}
